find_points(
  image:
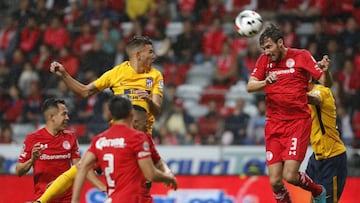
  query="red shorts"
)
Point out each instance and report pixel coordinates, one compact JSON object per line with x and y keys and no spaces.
{"x":286,"y":140}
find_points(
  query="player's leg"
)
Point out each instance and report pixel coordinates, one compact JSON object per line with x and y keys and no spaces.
{"x":60,"y":185}
{"x":296,"y":141}
{"x":331,"y":173}
{"x":274,"y":161}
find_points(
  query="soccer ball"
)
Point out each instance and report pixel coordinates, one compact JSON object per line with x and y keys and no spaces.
{"x":248,"y":23}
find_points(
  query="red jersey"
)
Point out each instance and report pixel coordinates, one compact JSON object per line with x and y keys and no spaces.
{"x":118,"y":150}
{"x":286,"y":98}
{"x":58,"y":151}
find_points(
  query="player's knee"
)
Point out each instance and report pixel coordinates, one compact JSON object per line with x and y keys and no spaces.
{"x":291,"y":178}
{"x":276,"y":183}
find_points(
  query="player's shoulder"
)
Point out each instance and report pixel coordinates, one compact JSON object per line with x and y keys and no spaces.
{"x":321,"y":88}
{"x":36,"y":134}
{"x":298,"y":52}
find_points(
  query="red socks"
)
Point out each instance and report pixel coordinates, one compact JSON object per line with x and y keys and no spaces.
{"x":306,"y":183}
{"x":282,"y":196}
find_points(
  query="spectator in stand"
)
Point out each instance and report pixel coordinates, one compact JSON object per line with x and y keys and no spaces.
{"x":140,"y":9}
{"x":186,"y":9}
{"x":320,"y":37}
{"x":298,"y":10}
{"x":15,"y":104}
{"x":215,"y":9}
{"x":120,"y":54}
{"x":5,"y":79}
{"x":31,"y":112}
{"x":28,"y":75}
{"x":162,"y":45}
{"x":345,"y":125}
{"x":56,"y":35}
{"x":237,"y":122}
{"x":187,"y":46}
{"x":336,"y":55}
{"x":6,"y":134}
{"x":96,"y":60}
{"x":210,"y":125}
{"x":70,"y":61}
{"x":30,"y":37}
{"x":96,"y":12}
{"x":43,"y":14}
{"x":178,"y":120}
{"x":349,"y":80}
{"x":73,"y":16}
{"x":248,"y":60}
{"x":225,"y":67}
{"x":350,"y":36}
{"x":62,"y":92}
{"x":255,"y":129}
{"x":7,"y":38}
{"x":42,"y":61}
{"x":84,"y":41}
{"x":16,"y":65}
{"x":290,"y":37}
{"x":165,"y":137}
{"x":108,"y":36}
{"x":213,"y":39}
{"x":23,"y":13}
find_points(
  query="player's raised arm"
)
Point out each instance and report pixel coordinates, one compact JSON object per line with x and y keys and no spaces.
{"x":326,"y":78}
{"x":75,"y":86}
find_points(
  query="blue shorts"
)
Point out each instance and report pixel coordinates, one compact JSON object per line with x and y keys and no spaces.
{"x":330,"y":173}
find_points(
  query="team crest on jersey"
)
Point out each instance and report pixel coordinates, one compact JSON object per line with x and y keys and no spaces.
{"x":149,"y":82}
{"x":146,"y":146}
{"x":269,"y":155}
{"x":290,"y":63}
{"x":66,"y":145}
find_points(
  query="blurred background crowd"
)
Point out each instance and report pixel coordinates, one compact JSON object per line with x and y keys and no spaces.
{"x":205,"y":63}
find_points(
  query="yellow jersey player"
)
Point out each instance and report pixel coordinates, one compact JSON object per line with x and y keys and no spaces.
{"x":327,"y":165}
{"x":136,"y":78}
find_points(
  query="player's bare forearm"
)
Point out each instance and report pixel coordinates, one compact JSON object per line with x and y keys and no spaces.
{"x":23,"y":168}
{"x":155,"y":104}
{"x":78,"y":88}
{"x":91,"y":176}
{"x":255,"y":85}
{"x":162,"y":166}
{"x":326,"y":79}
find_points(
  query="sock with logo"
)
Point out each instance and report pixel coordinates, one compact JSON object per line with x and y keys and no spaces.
{"x":60,"y":185}
{"x":282,"y":195}
{"x":306,"y":183}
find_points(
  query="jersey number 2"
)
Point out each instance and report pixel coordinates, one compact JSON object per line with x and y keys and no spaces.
{"x":109,"y":169}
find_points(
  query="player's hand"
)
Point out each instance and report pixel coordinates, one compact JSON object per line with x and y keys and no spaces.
{"x":57,"y":68}
{"x":271,"y":78}
{"x":173,"y":184}
{"x":36,"y":151}
{"x":143,"y":94}
{"x":324,"y":63}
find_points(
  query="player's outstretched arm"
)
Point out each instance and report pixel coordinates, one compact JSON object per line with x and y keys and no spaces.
{"x":75,"y":86}
{"x":87,"y":162}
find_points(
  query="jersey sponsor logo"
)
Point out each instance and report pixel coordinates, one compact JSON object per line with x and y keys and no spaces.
{"x":66,"y":145}
{"x":115,"y":143}
{"x":143,"y":154}
{"x":280,"y":72}
{"x":149,"y":82}
{"x":269,"y":155}
{"x":55,"y":156}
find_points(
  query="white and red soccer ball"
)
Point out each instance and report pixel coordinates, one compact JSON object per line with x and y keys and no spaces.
{"x":248,"y":23}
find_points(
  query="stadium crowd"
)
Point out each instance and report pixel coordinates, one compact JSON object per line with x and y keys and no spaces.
{"x":196,"y":47}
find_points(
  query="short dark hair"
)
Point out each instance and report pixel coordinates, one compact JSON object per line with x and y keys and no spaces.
{"x":139,"y":108}
{"x":51,"y":103}
{"x":120,"y":107}
{"x":272,"y":32}
{"x":137,"y":41}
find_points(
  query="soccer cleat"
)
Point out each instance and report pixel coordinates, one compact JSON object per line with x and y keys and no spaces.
{"x":322,"y":197}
